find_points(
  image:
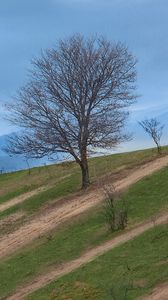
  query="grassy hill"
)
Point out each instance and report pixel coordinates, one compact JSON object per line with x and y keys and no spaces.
{"x":64,"y":179}
{"x":135,"y":266}
{"x":68,"y":173}
{"x":127,"y":272}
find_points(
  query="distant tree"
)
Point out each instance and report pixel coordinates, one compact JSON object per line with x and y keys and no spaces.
{"x":154,"y":128}
{"x":75,"y":101}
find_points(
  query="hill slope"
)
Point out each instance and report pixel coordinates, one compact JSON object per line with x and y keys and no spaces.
{"x":60,"y":224}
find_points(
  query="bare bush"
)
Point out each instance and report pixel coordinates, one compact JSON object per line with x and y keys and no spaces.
{"x":115,"y":209}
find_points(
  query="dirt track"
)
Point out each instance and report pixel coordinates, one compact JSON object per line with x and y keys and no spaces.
{"x":159,"y":293}
{"x":21,"y":198}
{"x":90,"y":255}
{"x":27,"y":195}
{"x":52,"y":218}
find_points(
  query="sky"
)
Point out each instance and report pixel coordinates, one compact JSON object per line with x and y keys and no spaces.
{"x":28,"y":26}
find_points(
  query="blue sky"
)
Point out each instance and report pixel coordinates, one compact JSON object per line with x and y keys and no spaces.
{"x":27,"y":26}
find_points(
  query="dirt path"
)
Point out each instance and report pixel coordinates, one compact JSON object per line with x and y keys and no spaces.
{"x":27,"y":195}
{"x":21,"y":198}
{"x":159,"y":293}
{"x":40,"y":225}
{"x":90,"y":255}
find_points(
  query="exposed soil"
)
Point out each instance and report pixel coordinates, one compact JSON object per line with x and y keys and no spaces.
{"x":12,"y":222}
{"x":51,"y":218}
{"x":159,"y":293}
{"x":87,"y":257}
{"x":21,"y":198}
{"x":11,"y":219}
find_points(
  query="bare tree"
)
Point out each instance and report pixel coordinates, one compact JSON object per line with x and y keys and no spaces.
{"x":154,"y":128}
{"x":75,"y":101}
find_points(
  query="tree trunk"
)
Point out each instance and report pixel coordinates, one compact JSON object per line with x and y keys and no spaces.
{"x":85,"y":173}
{"x":85,"y":176}
{"x":158,"y":148}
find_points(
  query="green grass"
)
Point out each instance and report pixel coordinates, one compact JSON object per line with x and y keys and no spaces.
{"x":64,"y":178}
{"x":16,"y":193}
{"x":148,"y":196}
{"x":136,"y":267}
{"x":20,"y":182}
{"x":64,"y":188}
{"x":144,"y":199}
{"x":99,"y":166}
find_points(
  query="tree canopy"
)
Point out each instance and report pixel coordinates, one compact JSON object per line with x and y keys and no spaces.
{"x":76,"y":100}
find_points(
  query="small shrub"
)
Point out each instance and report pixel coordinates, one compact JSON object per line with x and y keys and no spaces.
{"x":115,"y":210}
